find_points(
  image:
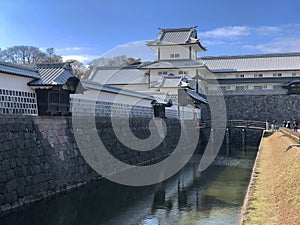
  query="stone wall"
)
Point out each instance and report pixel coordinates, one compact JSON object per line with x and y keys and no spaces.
{"x":40,"y":158}
{"x":260,"y":108}
{"x":235,"y":140}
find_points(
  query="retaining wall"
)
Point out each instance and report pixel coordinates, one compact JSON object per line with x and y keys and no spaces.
{"x":40,"y":158}
{"x":260,"y":108}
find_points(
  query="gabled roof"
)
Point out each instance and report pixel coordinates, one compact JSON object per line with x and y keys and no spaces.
{"x":53,"y":74}
{"x":161,"y":97}
{"x":118,"y":75}
{"x":19,"y":70}
{"x":290,"y":83}
{"x":197,"y":97}
{"x":168,"y":82}
{"x":177,"y":36}
{"x":258,"y":62}
{"x":106,"y":88}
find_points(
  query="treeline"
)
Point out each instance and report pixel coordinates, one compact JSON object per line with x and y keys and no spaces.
{"x":22,"y":54}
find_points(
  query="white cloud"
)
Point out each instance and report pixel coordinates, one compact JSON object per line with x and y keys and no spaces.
{"x":266,"y":30}
{"x":213,"y":42}
{"x":277,"y":45}
{"x":69,"y":50}
{"x":81,"y":58}
{"x":226,"y":32}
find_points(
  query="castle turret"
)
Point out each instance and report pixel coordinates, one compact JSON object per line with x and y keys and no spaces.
{"x":177,"y":43}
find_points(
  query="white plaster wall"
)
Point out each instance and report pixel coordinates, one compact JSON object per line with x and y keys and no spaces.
{"x":17,"y":83}
{"x":165,"y":52}
{"x":132,"y":87}
{"x":95,"y":95}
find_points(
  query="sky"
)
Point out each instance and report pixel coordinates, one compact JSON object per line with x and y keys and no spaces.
{"x":89,"y":29}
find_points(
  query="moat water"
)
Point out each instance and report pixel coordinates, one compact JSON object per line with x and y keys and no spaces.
{"x":214,"y":197}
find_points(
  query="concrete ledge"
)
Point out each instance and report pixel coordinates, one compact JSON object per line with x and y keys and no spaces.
{"x":251,"y":186}
{"x":290,"y":133}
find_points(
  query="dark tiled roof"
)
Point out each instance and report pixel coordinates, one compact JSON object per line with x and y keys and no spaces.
{"x":18,"y":70}
{"x":292,"y":82}
{"x":53,"y":74}
{"x":177,"y":36}
{"x":197,"y":97}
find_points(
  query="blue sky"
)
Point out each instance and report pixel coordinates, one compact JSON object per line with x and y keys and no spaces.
{"x":89,"y":29}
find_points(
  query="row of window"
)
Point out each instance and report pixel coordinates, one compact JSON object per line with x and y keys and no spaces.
{"x":17,"y":102}
{"x":17,"y":99}
{"x":17,"y":93}
{"x":261,"y":75}
{"x":180,"y":72}
{"x":18,"y":111}
{"x":100,"y":108}
{"x":246,"y":87}
{"x":17,"y":105}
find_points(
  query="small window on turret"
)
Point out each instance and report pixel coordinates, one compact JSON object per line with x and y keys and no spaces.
{"x":174,"y":55}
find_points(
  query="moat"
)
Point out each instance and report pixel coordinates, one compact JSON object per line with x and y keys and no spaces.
{"x":214,"y":196}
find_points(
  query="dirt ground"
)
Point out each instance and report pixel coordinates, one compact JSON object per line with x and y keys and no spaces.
{"x":276,"y":192}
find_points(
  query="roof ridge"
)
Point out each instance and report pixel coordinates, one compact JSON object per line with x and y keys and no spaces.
{"x":24,"y":67}
{"x":178,"y":29}
{"x":49,"y":64}
{"x":262,"y":55}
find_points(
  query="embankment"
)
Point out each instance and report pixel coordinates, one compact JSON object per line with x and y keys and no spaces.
{"x":273,"y":195}
{"x":40,"y":157}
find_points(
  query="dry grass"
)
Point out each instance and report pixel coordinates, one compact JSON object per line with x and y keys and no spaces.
{"x":276,"y":194}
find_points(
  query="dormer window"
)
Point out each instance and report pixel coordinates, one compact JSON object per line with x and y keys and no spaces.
{"x":180,"y":72}
{"x":173,"y":56}
{"x":163,"y":73}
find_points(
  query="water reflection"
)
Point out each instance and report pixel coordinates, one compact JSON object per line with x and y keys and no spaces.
{"x":212,"y":197}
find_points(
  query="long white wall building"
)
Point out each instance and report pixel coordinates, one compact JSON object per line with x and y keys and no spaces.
{"x":174,"y":85}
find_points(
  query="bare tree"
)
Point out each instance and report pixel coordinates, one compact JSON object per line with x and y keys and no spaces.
{"x":51,"y":56}
{"x":121,"y":60}
{"x":21,"y":54}
{"x":132,"y":61}
{"x":78,"y":68}
{"x":28,"y":54}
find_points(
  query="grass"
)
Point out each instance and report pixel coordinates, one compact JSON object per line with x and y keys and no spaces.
{"x":276,"y":192}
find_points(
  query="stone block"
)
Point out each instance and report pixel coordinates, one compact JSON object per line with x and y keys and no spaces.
{"x":5,"y":165}
{"x":2,"y":199}
{"x":3,"y":177}
{"x":11,"y":185}
{"x":5,"y":207}
{"x":10,"y":174}
{"x":14,"y":196}
{"x":13,"y":163}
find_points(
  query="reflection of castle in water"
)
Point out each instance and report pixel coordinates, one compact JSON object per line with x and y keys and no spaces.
{"x":195,"y":191}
